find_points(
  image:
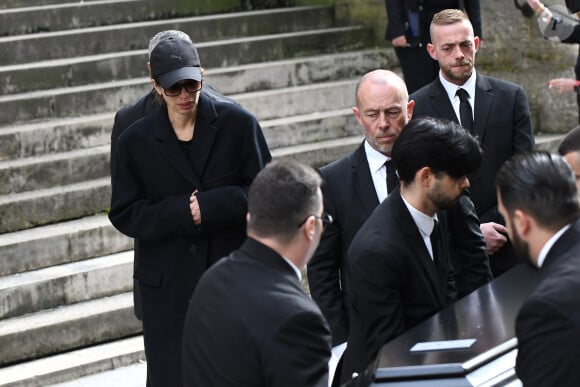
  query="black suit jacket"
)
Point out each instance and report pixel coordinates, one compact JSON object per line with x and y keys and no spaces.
{"x":503,"y":126}
{"x":548,"y":323}
{"x":502,"y":123}
{"x":152,"y":183}
{"x":251,"y":324}
{"x":394,"y":282}
{"x":350,"y":197}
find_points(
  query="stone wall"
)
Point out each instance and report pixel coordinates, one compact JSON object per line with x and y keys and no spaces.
{"x":514,"y":49}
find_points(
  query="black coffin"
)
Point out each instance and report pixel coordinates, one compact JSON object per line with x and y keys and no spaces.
{"x":483,"y":321}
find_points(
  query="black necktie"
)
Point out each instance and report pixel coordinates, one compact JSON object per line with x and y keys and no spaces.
{"x":392,"y":178}
{"x":465,"y":113}
{"x":435,"y":239}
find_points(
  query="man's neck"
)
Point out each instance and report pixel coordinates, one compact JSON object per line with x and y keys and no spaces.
{"x":416,"y":198}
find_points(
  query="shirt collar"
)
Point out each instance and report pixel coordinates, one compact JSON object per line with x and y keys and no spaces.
{"x":451,"y":88}
{"x":548,"y":245}
{"x":424,"y":222}
{"x":293,"y":266}
{"x":375,"y":158}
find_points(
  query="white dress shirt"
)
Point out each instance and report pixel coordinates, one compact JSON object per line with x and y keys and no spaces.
{"x":548,"y":245}
{"x":378,"y":170}
{"x":451,"y":89}
{"x":425,"y":224}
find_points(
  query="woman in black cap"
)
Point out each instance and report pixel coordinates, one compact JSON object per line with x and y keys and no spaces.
{"x":179,"y":189}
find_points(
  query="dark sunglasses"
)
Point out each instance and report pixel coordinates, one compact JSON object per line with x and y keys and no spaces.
{"x":190,"y":86}
{"x":325,"y":217}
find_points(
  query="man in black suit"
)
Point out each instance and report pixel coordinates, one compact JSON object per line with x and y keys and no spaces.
{"x":495,"y":111}
{"x":399,"y":267}
{"x":355,"y":185}
{"x":179,"y":188}
{"x":538,"y":197}
{"x":249,"y":322}
{"x":145,"y":106}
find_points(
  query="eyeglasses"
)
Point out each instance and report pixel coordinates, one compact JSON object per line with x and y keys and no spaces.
{"x":190,"y":86}
{"x":325,"y":217}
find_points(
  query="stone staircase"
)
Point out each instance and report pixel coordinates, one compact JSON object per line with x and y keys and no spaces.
{"x":65,"y":68}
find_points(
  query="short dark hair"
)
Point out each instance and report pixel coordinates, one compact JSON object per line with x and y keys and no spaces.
{"x":282,"y":195}
{"x":541,"y":184}
{"x":447,"y":17}
{"x":439,"y":144}
{"x":571,"y":142}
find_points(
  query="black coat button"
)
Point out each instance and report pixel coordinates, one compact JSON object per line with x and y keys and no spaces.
{"x":193,"y":249}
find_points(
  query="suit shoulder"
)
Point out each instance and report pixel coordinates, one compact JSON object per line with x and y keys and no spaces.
{"x":502,"y":84}
{"x":227,"y":109}
{"x":424,"y":91}
{"x":136,"y":130}
{"x":338,"y":168}
{"x":144,"y":106}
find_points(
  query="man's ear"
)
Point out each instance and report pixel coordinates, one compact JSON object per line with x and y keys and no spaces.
{"x":522,"y":223}
{"x":310,"y":228}
{"x":356,"y":112}
{"x":431,"y":51}
{"x":424,"y":175}
{"x":476,"y":41}
{"x":410,"y":107}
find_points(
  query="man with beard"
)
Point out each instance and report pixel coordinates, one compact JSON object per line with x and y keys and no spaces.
{"x":493,"y":110}
{"x":538,"y":197}
{"x":398,"y":263}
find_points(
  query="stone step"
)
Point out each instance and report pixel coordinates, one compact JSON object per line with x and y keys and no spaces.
{"x":71,"y":101}
{"x":68,"y":327}
{"x":61,"y":135}
{"x":52,"y":136}
{"x":60,"y":243}
{"x":110,"y":96}
{"x":34,"y":208}
{"x":319,"y":97}
{"x":65,"y":284}
{"x":311,"y":128}
{"x":37,"y":18}
{"x":105,"y":39}
{"x":66,"y":168}
{"x":74,"y":364}
{"x":319,"y":154}
{"x":29,"y":209}
{"x":549,"y":142}
{"x":8,"y":4}
{"x":120,"y":66}
{"x":52,"y":170}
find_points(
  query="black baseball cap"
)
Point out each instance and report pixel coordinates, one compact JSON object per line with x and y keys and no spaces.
{"x":173,"y":60}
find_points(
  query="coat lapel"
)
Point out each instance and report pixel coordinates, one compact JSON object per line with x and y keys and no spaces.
{"x":205,"y":130}
{"x":483,"y":102}
{"x":418,"y":248}
{"x":440,"y":102}
{"x":169,"y":147}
